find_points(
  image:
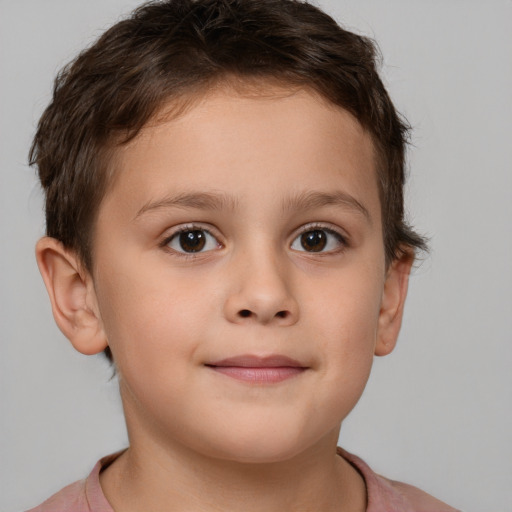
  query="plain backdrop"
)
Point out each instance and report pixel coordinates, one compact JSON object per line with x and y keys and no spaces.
{"x":437,"y":412}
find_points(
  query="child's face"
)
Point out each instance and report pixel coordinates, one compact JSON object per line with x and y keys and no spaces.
{"x":250,"y":226}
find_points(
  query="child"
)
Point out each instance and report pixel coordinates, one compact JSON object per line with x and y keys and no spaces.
{"x":224,"y":206}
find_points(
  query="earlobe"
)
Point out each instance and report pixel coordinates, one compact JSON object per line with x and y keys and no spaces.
{"x":72,"y":296}
{"x":392,"y":305}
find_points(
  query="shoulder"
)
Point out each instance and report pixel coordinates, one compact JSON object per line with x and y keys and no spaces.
{"x":71,"y":498}
{"x":82,"y":496}
{"x":416,"y":499}
{"x":389,"y":495}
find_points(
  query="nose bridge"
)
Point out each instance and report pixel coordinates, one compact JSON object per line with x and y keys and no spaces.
{"x":261,"y":288}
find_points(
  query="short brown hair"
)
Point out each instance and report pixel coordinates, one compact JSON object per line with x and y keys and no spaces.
{"x":169,"y":49}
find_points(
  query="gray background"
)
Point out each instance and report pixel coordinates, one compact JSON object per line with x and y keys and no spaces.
{"x":437,"y":412}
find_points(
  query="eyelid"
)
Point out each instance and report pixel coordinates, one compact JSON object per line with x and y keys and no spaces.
{"x":170,"y":234}
{"x":190,"y":226}
{"x":323,"y":226}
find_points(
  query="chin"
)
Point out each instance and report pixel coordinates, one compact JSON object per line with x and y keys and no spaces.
{"x":262,"y":444}
{"x":261,"y":453}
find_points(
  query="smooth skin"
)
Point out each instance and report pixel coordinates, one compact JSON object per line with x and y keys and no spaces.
{"x":249,"y":225}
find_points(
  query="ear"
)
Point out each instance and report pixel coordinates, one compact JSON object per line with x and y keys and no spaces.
{"x":392,"y":305}
{"x":72,"y":296}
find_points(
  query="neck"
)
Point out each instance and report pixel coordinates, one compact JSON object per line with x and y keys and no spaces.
{"x":149,"y":476}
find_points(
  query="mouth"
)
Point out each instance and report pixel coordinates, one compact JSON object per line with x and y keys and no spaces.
{"x":258,"y":370}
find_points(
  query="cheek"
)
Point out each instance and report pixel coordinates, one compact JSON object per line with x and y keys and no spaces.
{"x":152,"y":334}
{"x":348,"y":316}
{"x":347,"y":311}
{"x":147,"y":322}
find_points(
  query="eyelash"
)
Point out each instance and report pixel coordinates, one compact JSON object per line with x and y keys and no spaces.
{"x":184,"y":229}
{"x":341,"y":240}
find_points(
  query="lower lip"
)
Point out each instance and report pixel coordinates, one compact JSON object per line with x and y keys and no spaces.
{"x":259,"y":375}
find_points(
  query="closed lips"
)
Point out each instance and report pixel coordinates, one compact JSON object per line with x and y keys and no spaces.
{"x":249,"y":368}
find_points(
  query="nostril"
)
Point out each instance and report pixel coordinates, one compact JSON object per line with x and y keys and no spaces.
{"x":247,"y":313}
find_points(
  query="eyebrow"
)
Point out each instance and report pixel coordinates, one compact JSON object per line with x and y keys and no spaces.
{"x":219,"y":201}
{"x":311,"y":200}
{"x":198,"y":200}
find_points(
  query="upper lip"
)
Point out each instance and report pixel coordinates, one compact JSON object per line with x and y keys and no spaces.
{"x":252,"y":361}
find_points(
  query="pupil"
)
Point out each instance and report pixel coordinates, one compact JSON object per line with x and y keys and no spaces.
{"x":314,"y":241}
{"x":192,"y":241}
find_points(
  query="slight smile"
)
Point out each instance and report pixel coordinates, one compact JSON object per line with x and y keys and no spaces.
{"x":258,"y":370}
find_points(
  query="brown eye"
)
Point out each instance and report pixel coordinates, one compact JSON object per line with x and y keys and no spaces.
{"x":192,"y":241}
{"x":313,"y":241}
{"x":319,"y":240}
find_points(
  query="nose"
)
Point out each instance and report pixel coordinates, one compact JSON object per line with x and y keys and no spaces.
{"x":260,"y":292}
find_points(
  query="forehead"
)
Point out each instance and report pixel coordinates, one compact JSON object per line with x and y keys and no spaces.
{"x":226,"y":139}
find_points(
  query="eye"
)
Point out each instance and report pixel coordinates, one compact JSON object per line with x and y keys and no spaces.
{"x":319,"y":240}
{"x":192,"y":240}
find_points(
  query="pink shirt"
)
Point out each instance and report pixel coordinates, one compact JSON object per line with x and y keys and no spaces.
{"x":383,"y":495}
